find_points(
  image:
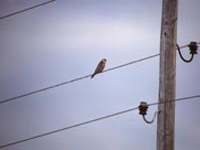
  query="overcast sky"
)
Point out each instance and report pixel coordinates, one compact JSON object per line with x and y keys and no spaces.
{"x":65,"y":40}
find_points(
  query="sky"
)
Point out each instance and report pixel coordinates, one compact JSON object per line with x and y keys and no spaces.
{"x":65,"y":40}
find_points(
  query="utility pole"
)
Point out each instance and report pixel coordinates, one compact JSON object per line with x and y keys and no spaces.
{"x":167,"y":85}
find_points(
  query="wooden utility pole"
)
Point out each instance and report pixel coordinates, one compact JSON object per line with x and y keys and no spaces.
{"x":166,"y":119}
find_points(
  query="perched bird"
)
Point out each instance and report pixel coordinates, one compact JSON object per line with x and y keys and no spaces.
{"x":100,"y":67}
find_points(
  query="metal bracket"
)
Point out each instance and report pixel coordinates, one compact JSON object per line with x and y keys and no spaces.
{"x":193,"y":50}
{"x":143,"y":111}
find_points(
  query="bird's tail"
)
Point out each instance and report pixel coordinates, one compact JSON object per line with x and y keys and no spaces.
{"x":93,"y":75}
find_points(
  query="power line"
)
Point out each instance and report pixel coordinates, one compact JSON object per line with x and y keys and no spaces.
{"x":33,"y":7}
{"x":74,"y":80}
{"x":133,"y":62}
{"x":80,"y":78}
{"x":94,"y":120}
{"x":175,"y":100}
{"x":69,"y":127}
{"x":184,"y":46}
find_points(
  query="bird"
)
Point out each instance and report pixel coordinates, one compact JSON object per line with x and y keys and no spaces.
{"x":100,"y":67}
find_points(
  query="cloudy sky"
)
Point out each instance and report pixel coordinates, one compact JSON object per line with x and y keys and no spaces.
{"x":65,"y":40}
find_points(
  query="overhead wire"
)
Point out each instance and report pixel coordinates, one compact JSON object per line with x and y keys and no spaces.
{"x":33,"y":7}
{"x":76,"y":79}
{"x":69,"y":127}
{"x":133,"y":62}
{"x":80,"y":78}
{"x":175,"y":100}
{"x":184,"y":46}
{"x":181,"y":56}
{"x":95,"y":120}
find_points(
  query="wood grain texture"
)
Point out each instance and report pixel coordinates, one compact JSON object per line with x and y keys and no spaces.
{"x":166,"y":116}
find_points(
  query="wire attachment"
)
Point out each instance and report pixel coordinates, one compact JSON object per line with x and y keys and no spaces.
{"x":143,"y":111}
{"x":193,"y":50}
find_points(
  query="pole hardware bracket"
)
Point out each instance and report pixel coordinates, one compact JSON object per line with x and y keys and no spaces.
{"x":143,"y":107}
{"x":193,"y":50}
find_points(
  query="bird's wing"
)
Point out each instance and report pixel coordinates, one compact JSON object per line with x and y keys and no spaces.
{"x":99,"y":68}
